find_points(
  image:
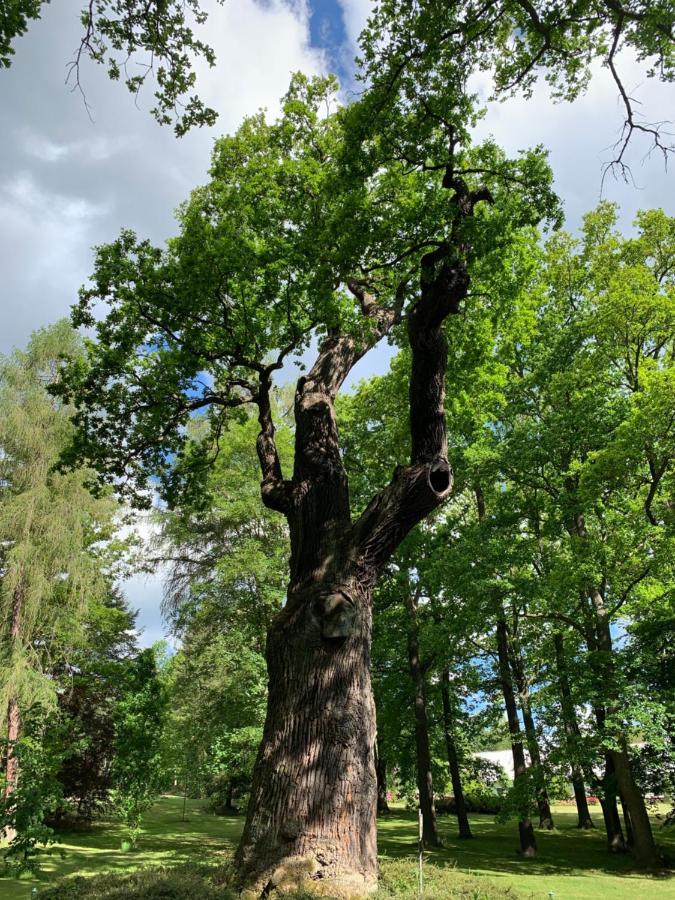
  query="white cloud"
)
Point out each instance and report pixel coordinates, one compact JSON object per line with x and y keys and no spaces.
{"x":580,"y":137}
{"x":257,"y":49}
{"x":355,"y":15}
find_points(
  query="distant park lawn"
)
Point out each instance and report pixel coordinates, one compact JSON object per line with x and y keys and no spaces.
{"x":570,"y":864}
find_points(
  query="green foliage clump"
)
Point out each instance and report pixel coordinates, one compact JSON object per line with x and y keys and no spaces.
{"x":180,"y":883}
{"x":399,"y":878}
{"x":137,"y":760}
{"x":36,"y":792}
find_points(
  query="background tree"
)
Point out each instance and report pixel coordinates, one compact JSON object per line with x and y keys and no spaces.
{"x":56,"y":538}
{"x":89,"y":687}
{"x":136,"y":770}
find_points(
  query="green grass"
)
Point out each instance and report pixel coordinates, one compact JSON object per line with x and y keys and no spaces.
{"x":570,"y":863}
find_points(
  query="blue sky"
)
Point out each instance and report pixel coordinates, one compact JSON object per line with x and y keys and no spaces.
{"x":68,"y":181}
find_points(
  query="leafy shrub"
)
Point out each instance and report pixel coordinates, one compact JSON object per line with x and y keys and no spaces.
{"x":36,"y":794}
{"x":179,"y":883}
{"x":137,"y":762}
{"x":485,"y":786}
{"x":478,"y":799}
{"x":398,"y":878}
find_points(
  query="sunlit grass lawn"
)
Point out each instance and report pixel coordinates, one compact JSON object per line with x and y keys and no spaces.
{"x":571,"y":864}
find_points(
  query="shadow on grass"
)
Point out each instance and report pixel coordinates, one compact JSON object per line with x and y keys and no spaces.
{"x":494,"y":850}
{"x":206,"y":838}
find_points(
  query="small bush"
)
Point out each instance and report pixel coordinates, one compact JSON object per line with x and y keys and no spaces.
{"x":478,"y":799}
{"x":179,"y":883}
{"x":398,"y":878}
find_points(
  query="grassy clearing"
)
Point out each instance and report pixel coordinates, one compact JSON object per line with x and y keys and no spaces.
{"x":571,"y":864}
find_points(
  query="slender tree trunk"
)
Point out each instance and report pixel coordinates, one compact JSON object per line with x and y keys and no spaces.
{"x":608,"y":790}
{"x":13,"y":727}
{"x":584,"y":819}
{"x":13,"y":713}
{"x":543,"y":804}
{"x":610,"y":810}
{"x":607,"y":784}
{"x":425,"y":782}
{"x":229,"y":805}
{"x":572,"y":733}
{"x":600,"y":644}
{"x":381,"y":771}
{"x":528,"y":844}
{"x":644,"y":848}
{"x":627,"y":822}
{"x":453,"y":761}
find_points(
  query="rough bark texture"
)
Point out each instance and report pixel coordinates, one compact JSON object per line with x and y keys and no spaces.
{"x":572,"y":733}
{"x":543,"y":804}
{"x":528,"y":844}
{"x":627,"y":822}
{"x":425,"y":782}
{"x":643,"y":845}
{"x":314,"y":791}
{"x":453,"y":760}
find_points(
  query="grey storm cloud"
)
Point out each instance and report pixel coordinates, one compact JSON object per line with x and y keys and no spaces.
{"x":70,"y":180}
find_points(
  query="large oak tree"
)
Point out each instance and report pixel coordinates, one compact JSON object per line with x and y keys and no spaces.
{"x":304,"y":233}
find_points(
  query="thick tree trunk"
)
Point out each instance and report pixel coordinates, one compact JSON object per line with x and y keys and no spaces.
{"x":314,"y":794}
{"x":425,"y":781}
{"x":543,"y":804}
{"x":528,"y":844}
{"x":453,"y":761}
{"x":643,"y":845}
{"x":312,"y":812}
{"x":381,"y":771}
{"x":572,"y":733}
